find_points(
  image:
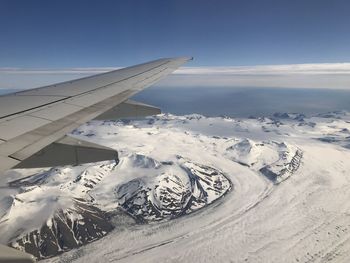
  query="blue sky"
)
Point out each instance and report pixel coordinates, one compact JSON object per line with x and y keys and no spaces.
{"x":56,"y":34}
{"x":234,"y":43}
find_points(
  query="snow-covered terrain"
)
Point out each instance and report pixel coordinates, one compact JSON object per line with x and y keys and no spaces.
{"x":191,"y":189}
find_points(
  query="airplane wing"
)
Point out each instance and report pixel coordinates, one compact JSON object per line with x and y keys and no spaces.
{"x":34,"y":123}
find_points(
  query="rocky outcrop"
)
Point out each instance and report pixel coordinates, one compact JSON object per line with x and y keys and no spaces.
{"x":288,"y":164}
{"x":67,"y":229}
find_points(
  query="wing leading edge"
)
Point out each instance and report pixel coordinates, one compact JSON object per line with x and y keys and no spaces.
{"x":34,"y":119}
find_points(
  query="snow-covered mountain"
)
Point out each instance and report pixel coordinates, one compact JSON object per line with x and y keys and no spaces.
{"x":174,"y":193}
{"x":51,"y":212}
{"x":190,"y":188}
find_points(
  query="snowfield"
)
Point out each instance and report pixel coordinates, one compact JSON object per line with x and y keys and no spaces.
{"x":191,"y":189}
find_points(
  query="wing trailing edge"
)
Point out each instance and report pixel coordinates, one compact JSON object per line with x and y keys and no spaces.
{"x":129,"y":109}
{"x":69,"y":151}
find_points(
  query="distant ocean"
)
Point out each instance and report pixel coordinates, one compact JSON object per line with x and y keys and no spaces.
{"x":245,"y":102}
{"x":242,"y":102}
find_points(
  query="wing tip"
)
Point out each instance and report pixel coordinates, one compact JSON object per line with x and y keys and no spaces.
{"x":187,"y":58}
{"x":182,"y":60}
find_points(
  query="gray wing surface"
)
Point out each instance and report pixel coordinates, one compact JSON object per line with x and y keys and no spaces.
{"x":33,"y":123}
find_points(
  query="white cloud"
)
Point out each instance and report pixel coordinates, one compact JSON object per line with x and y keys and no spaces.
{"x":43,"y":71}
{"x":321,"y":68}
{"x":317,"y":69}
{"x":325,"y":75}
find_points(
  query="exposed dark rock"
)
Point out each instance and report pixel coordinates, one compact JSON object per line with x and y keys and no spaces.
{"x":281,"y":115}
{"x":283,"y":168}
{"x":329,"y":139}
{"x":310,"y":124}
{"x":67,"y":229}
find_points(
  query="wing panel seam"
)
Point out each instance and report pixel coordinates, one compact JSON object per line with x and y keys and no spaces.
{"x":14,"y":158}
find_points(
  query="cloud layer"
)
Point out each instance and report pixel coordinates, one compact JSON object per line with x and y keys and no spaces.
{"x":326,"y":75}
{"x":292,"y":69}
